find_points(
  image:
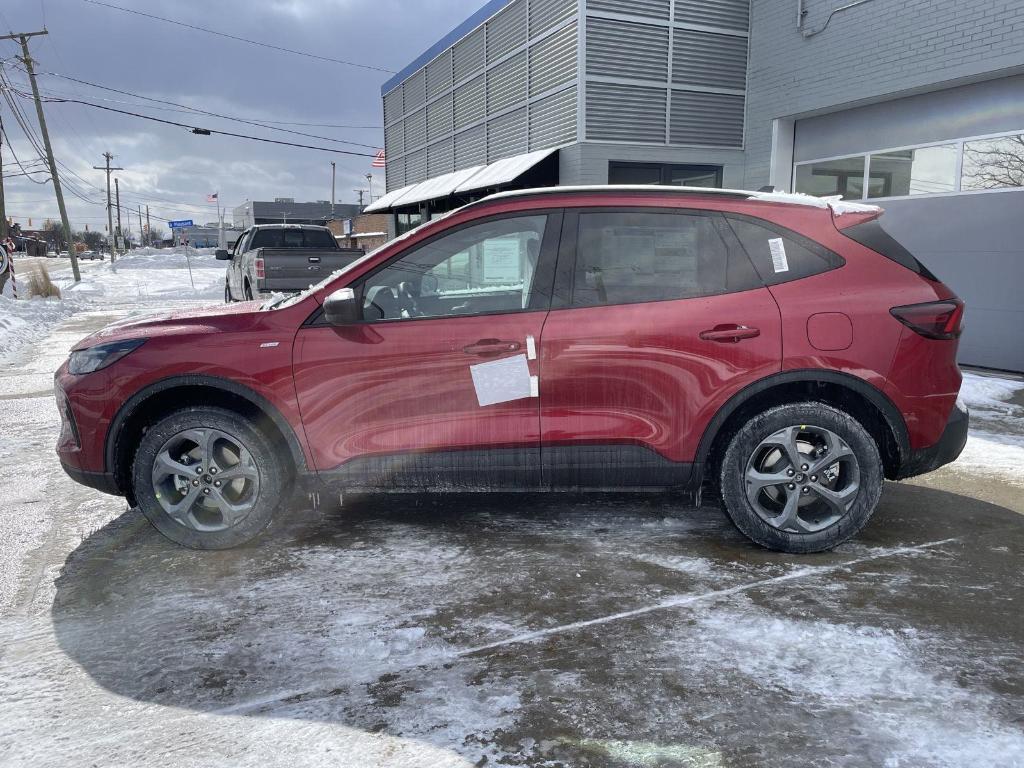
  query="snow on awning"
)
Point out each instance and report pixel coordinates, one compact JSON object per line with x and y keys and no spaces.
{"x":439,"y":186}
{"x":496,"y":174}
{"x":504,"y":171}
{"x":389,"y":200}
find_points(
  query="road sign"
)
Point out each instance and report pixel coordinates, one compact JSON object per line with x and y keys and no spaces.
{"x":180,"y":224}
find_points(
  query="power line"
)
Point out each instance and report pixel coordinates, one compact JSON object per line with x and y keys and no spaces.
{"x":242,"y":39}
{"x":204,"y":131}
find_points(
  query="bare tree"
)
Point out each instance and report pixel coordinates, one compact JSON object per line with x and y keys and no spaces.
{"x":994,"y":163}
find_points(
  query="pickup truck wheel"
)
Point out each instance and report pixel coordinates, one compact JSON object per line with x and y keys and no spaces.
{"x":801,"y":478}
{"x":227,"y":293}
{"x":207,"y":479}
{"x":248,"y":291}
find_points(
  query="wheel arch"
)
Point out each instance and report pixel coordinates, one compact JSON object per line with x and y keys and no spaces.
{"x":167,"y":395}
{"x":865,"y":402}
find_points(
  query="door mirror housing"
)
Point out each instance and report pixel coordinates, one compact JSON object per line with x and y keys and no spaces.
{"x":342,"y":308}
{"x":222,"y":255}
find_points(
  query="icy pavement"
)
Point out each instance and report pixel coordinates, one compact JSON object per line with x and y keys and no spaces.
{"x":501,"y":631}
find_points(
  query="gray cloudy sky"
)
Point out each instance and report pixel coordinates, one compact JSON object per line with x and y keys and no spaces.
{"x":168,"y":167}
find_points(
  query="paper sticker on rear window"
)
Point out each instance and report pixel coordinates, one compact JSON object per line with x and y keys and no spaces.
{"x":779,"y":260}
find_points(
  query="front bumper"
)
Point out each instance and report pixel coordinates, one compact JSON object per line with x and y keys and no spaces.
{"x":945,"y":451}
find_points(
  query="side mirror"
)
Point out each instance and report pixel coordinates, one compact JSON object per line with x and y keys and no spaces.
{"x":342,"y":308}
{"x":222,"y":255}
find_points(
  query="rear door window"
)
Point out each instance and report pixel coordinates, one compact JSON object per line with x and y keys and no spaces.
{"x":780,"y":255}
{"x":635,"y":257}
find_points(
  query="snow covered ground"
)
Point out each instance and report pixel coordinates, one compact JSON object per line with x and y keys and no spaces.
{"x":531,"y":631}
{"x":144,"y":280}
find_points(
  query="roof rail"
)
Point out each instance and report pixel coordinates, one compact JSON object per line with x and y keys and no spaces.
{"x":837,"y":204}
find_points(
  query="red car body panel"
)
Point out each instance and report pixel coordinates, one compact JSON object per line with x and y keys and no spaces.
{"x":636,"y":374}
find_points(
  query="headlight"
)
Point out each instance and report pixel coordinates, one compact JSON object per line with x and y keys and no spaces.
{"x":99,"y":357}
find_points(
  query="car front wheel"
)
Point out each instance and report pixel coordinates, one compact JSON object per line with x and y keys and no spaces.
{"x":207,"y":479}
{"x":801,"y":478}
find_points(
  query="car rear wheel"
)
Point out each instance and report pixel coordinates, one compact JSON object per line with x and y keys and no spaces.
{"x":227,"y":293}
{"x":248,"y":291}
{"x":207,"y":479}
{"x":801,"y":478}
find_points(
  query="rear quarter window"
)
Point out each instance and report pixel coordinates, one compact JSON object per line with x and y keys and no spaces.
{"x":872,"y":235}
{"x":780,"y":255}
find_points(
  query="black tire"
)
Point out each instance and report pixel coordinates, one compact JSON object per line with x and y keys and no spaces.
{"x":227,"y":293}
{"x":748,"y":444}
{"x":273,"y":481}
{"x":247,"y":291}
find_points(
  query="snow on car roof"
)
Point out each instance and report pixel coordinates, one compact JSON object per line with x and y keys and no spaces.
{"x":837,"y":204}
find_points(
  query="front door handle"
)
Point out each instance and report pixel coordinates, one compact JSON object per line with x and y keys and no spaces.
{"x":730,"y":334}
{"x":492,"y":347}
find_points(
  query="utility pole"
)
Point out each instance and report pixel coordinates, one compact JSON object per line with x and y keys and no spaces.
{"x":27,"y":61}
{"x":149,"y":231}
{"x":117,"y":195}
{"x":142,"y":232}
{"x":334,"y":169}
{"x":360,"y":192}
{"x":110,"y":211}
{"x":3,"y":210}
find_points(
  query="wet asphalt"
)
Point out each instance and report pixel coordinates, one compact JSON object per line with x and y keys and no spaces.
{"x":517,"y":630}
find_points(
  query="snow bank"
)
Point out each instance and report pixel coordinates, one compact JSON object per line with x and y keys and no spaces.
{"x":27,"y":321}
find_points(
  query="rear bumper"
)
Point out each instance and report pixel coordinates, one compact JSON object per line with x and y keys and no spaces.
{"x":945,"y":451}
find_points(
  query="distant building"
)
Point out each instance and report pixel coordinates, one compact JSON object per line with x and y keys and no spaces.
{"x":284,"y":210}
{"x":368,"y":231}
{"x":207,"y":236}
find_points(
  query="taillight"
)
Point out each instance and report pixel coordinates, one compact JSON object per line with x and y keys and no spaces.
{"x":260,"y":272}
{"x":933,"y":320}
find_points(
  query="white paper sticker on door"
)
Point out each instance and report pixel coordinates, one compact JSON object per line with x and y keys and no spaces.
{"x":502,"y":381}
{"x":779,"y":260}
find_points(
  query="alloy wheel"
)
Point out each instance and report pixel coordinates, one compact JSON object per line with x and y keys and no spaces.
{"x":206,"y":480}
{"x":802,"y":479}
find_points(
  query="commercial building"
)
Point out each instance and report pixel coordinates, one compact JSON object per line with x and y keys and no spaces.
{"x":284,"y":210}
{"x":368,"y":231}
{"x":207,"y":236}
{"x":917,"y":105}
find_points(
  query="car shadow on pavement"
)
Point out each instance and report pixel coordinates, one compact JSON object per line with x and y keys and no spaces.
{"x":531,"y":628}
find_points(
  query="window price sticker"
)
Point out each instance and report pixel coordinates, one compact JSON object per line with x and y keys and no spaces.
{"x":779,"y":260}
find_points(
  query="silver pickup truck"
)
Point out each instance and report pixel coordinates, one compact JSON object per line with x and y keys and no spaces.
{"x":281,"y":258}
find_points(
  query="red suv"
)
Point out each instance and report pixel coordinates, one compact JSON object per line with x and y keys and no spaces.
{"x":782,"y":350}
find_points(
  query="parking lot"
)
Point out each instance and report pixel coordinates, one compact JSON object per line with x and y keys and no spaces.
{"x":507,"y":630}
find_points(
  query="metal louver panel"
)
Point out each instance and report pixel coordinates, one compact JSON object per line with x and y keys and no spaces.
{"x":415,"y":91}
{"x":468,"y":55}
{"x":707,"y":119}
{"x":731,"y":14}
{"x":545,"y":14}
{"x":416,"y":167}
{"x":393,"y":109}
{"x":394,"y":174}
{"x":553,"y":120}
{"x":471,"y":148}
{"x":394,"y":139}
{"x":625,"y":113}
{"x":440,"y":158}
{"x":470,"y":102}
{"x":702,"y":58}
{"x":506,"y":84}
{"x":655,"y":9}
{"x":416,"y":130}
{"x":506,"y":135}
{"x":440,"y":117}
{"x":622,"y":49}
{"x":553,"y":60}
{"x":439,"y":74}
{"x":506,"y":31}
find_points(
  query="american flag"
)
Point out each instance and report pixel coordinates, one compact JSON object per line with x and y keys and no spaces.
{"x":378,"y":161}
{"x":213,"y":198}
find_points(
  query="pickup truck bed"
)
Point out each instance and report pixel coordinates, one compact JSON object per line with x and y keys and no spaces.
{"x":287,"y":270}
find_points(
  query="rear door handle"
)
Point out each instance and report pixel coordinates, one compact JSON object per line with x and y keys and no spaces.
{"x":730,"y":334}
{"x":492,"y":347}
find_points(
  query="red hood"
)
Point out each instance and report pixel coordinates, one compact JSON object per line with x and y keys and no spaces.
{"x":211,"y":319}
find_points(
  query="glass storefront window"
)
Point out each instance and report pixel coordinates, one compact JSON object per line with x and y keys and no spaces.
{"x":832,"y":177}
{"x":924,"y":171}
{"x":993,"y":163}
